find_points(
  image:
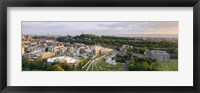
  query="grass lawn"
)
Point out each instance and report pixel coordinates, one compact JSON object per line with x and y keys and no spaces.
{"x":99,"y":55}
{"x":95,"y":67}
{"x":90,"y":69}
{"x":103,"y":66}
{"x":85,"y":68}
{"x":172,"y":65}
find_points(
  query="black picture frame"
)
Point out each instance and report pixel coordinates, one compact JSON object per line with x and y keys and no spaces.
{"x":99,"y":3}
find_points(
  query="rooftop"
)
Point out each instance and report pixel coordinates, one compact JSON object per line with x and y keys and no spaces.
{"x":62,"y":59}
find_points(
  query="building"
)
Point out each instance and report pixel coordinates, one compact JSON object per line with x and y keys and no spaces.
{"x":123,"y":49}
{"x":88,"y":51}
{"x":106,"y":51}
{"x":102,"y":50}
{"x":97,"y":50}
{"x":23,"y":51}
{"x":111,"y":61}
{"x":71,"y":61}
{"x":157,"y":55}
{"x":47,"y":55}
{"x":35,"y":49}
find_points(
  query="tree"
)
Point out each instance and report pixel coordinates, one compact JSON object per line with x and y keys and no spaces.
{"x":142,"y":50}
{"x":136,"y":58}
{"x":65,"y":66}
{"x":156,"y":66}
{"x":131,"y":67}
{"x":39,"y":59}
{"x":39,"y":64}
{"x":28,"y":60}
{"x":141,"y":66}
{"x":145,"y":66}
{"x":130,"y":49}
{"x":57,"y":67}
{"x":176,"y":51}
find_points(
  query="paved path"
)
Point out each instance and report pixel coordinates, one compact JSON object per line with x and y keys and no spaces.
{"x":125,"y":66}
{"x":94,"y":60}
{"x":89,"y":61}
{"x":89,"y":65}
{"x":96,"y":67}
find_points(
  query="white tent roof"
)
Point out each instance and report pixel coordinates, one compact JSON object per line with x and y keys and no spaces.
{"x":62,"y":59}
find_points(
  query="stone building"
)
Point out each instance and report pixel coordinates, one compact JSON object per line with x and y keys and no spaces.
{"x":157,"y":55}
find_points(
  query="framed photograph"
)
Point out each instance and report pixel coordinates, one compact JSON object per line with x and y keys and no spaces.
{"x":133,"y":46}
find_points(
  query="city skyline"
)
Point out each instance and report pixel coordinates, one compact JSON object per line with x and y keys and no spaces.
{"x":100,"y":46}
{"x":99,"y":28}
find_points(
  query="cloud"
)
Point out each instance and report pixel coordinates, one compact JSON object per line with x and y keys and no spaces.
{"x":99,"y":28}
{"x":166,"y":24}
{"x":145,"y":25}
{"x":117,"y":25}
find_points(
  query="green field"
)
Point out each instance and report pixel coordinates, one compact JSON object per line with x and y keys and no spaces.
{"x":103,"y":66}
{"x":172,"y":65}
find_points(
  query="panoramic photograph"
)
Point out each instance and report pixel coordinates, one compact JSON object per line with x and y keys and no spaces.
{"x":99,"y":45}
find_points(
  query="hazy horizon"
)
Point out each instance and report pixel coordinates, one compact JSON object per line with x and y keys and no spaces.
{"x":100,"y":28}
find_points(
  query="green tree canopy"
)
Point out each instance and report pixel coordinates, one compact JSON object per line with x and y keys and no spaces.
{"x":57,"y":67}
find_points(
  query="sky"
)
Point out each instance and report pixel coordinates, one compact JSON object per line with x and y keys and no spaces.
{"x":99,"y":28}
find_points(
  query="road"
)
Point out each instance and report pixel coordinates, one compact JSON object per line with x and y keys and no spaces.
{"x":92,"y":62}
{"x":125,"y":66}
{"x":89,"y":61}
